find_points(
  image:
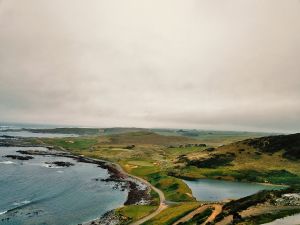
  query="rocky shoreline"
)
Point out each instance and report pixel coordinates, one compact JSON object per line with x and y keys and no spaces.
{"x":138,"y":193}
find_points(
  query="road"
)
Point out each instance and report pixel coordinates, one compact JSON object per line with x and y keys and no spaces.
{"x":162,"y":198}
{"x":162,"y":202}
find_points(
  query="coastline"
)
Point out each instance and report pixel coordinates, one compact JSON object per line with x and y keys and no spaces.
{"x":116,"y":173}
{"x":136,"y":194}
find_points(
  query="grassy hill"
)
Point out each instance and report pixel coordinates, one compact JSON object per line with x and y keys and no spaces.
{"x":150,"y":138}
{"x":289,"y":144}
{"x":273,"y":159}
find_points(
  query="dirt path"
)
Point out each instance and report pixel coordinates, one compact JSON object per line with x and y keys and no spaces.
{"x":162,"y":204}
{"x":192,"y":214}
{"x":217,"y":211}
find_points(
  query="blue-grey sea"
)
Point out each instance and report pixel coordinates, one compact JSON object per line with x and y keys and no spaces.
{"x":33,"y":193}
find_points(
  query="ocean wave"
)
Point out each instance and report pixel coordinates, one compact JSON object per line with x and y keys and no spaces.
{"x":7,"y":162}
{"x":18,"y":205}
{"x":26,"y":202}
{"x":50,"y":166}
{"x":1,"y":213}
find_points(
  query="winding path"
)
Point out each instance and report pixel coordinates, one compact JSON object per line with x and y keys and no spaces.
{"x":162,"y":202}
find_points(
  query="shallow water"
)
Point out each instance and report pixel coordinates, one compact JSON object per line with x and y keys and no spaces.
{"x":217,"y":190}
{"x":32,"y":193}
{"x":289,"y":220}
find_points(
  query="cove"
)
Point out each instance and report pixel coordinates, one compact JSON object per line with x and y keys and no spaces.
{"x":36,"y":192}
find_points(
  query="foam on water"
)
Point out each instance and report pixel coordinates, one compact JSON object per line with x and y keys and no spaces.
{"x":25,"y":202}
{"x":1,"y":213}
{"x":7,"y":162}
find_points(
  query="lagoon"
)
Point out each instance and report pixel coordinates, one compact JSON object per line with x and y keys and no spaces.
{"x":218,"y":190}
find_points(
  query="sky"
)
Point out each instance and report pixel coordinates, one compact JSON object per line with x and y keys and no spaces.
{"x":200,"y":64}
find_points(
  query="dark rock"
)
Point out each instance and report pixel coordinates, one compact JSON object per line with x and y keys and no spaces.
{"x":7,"y":136}
{"x":130,"y":147}
{"x":201,"y":145}
{"x":19,"y":157}
{"x":61,"y":164}
{"x":210,"y":149}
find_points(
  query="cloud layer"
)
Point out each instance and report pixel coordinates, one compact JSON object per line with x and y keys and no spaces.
{"x":164,"y":63}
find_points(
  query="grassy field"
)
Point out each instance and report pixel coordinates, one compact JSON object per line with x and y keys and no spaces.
{"x":134,"y":212}
{"x":199,"y":218}
{"x":172,"y":214}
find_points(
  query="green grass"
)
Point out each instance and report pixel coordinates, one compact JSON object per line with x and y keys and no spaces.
{"x":78,"y":143}
{"x":174,"y":189}
{"x":199,"y":218}
{"x":269,"y":176}
{"x":172,"y":214}
{"x":183,"y":150}
{"x":135,"y":212}
{"x":145,"y":171}
{"x":268,"y":217}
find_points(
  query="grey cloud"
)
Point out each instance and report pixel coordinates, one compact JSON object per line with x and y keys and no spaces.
{"x":196,"y":64}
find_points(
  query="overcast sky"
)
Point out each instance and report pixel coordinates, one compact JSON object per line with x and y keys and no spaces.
{"x":207,"y":64}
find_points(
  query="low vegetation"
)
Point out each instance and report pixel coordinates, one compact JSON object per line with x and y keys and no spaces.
{"x":245,"y":161}
{"x":199,"y":218}
{"x":172,"y":214}
{"x":134,"y":212}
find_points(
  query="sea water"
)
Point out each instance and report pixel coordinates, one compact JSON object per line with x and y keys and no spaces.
{"x":31,"y":192}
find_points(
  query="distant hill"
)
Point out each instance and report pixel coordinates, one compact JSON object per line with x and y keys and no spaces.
{"x":83,"y":131}
{"x":147,"y":137}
